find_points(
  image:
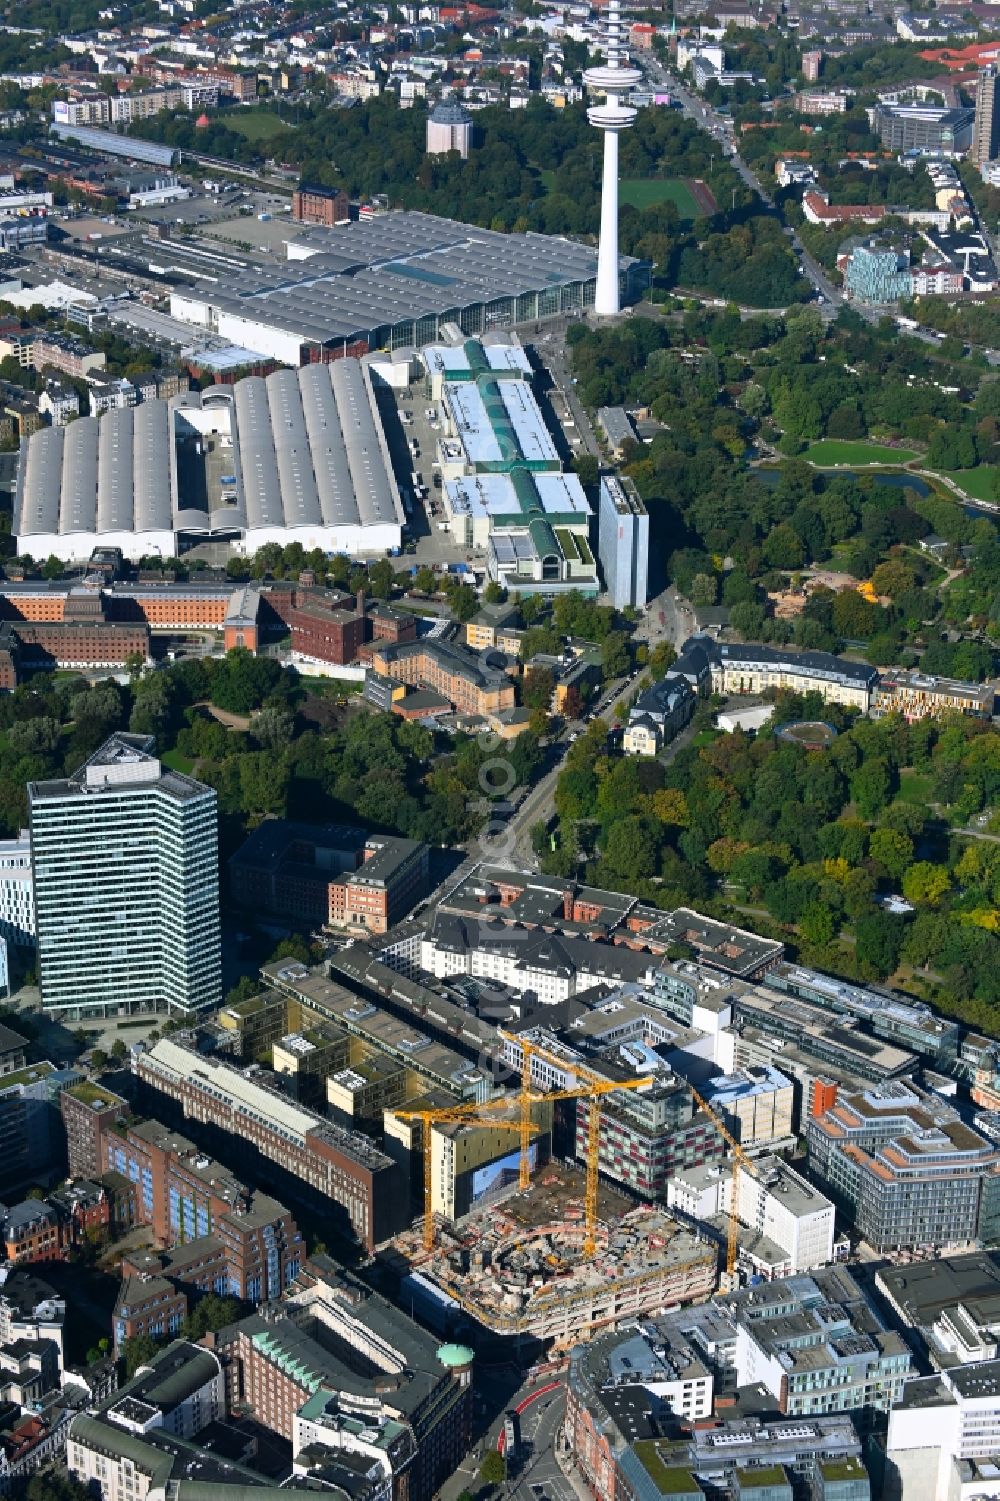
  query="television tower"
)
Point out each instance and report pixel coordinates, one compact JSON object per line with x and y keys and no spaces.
{"x":615,"y":80}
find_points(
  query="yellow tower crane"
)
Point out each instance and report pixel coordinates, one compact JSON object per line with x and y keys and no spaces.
{"x":740,"y":1159}
{"x":592,"y":1087}
{"x":471,"y":1114}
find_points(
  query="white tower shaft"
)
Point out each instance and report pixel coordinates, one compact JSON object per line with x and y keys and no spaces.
{"x":606,"y":297}
{"x":615,"y":81}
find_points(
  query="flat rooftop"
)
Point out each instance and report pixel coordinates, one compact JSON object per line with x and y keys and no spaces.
{"x":362,"y":277}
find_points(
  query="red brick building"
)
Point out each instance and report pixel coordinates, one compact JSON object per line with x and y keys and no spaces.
{"x":273,"y":1140}
{"x":329,"y":874}
{"x":88,"y":1113}
{"x":325,"y":629}
{"x":314,"y":204}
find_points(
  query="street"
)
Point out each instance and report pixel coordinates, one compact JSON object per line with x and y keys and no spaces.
{"x":536,"y":1472}
{"x":705,"y":116}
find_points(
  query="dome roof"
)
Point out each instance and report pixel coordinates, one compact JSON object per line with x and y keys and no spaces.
{"x":455,"y":1355}
{"x":449,"y":112}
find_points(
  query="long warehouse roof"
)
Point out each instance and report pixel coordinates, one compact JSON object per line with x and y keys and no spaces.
{"x":362,"y":276}
{"x":308,"y":451}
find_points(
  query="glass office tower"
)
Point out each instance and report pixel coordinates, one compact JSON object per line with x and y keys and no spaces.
{"x":125,"y":856}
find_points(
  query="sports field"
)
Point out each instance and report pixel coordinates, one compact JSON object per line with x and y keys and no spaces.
{"x":254,"y":124}
{"x":841,"y":451}
{"x":693,"y":200}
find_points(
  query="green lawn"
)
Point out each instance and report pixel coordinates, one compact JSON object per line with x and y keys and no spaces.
{"x":840,"y":451}
{"x":177,"y":762}
{"x":254,"y":124}
{"x":978,"y":482}
{"x":914,"y":787}
{"x":644,"y":192}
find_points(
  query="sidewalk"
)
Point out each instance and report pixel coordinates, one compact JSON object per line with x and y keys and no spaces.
{"x":567,"y":1465}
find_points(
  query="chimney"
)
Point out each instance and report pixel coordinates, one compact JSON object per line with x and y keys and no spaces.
{"x":361,"y":603}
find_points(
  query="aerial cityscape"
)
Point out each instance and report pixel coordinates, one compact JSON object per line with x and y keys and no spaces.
{"x":500,"y":750}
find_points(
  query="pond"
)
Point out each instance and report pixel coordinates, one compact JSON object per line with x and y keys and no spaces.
{"x":899,"y":479}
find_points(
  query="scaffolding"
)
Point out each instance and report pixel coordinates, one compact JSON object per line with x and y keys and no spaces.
{"x":592,"y":1087}
{"x":740,"y":1159}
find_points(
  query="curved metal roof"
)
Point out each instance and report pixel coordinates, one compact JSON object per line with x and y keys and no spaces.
{"x":153,"y":459}
{"x":299,"y":497}
{"x":365,"y":454}
{"x":39,"y":511}
{"x":337,"y":499}
{"x":78,"y":499}
{"x":308,"y":452}
{"x":115,"y":470}
{"x":256,"y":460}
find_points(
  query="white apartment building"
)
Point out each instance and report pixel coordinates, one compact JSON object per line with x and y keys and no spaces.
{"x":17,"y":897}
{"x":122,"y":1452}
{"x":775,"y":1202}
{"x":944,"y":1435}
{"x":549,"y":965}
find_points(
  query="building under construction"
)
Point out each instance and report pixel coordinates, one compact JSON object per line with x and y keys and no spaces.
{"x":518,"y":1267}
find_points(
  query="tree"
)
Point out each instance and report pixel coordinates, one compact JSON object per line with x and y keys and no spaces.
{"x":783,"y":548}
{"x":273,"y":727}
{"x":210,"y":1314}
{"x":537,"y":688}
{"x":747,"y":618}
{"x":892,"y":849}
{"x":629,"y":849}
{"x":152,"y":707}
{"x":245,"y":987}
{"x":704,"y":589}
{"x":925,"y":884}
{"x":494,"y":593}
{"x":614,"y":655}
{"x":816,"y":923}
{"x":118,"y":1050}
{"x":98,"y":1058}
{"x":878,"y":940}
{"x":425,"y":580}
{"x":34,"y":737}
{"x":493,"y":1470}
{"x":893,"y":578}
{"x":263,"y":783}
{"x":52,"y":1484}
{"x":870,"y":787}
{"x":53,"y":567}
{"x":138,"y":1350}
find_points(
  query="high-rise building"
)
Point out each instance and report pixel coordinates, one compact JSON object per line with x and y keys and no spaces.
{"x":623,"y":542}
{"x":986,"y":127}
{"x":17,"y":902}
{"x":812,"y":61}
{"x":615,"y":80}
{"x":126,"y":873}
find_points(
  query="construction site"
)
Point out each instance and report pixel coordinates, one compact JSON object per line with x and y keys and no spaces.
{"x":522,"y":1267}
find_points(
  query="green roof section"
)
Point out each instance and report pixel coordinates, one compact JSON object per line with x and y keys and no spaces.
{"x":843,"y":1469}
{"x":670,"y":1480}
{"x":92,"y":1094}
{"x":759,"y":1476}
{"x":33,"y":1074}
{"x":503,"y":428}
